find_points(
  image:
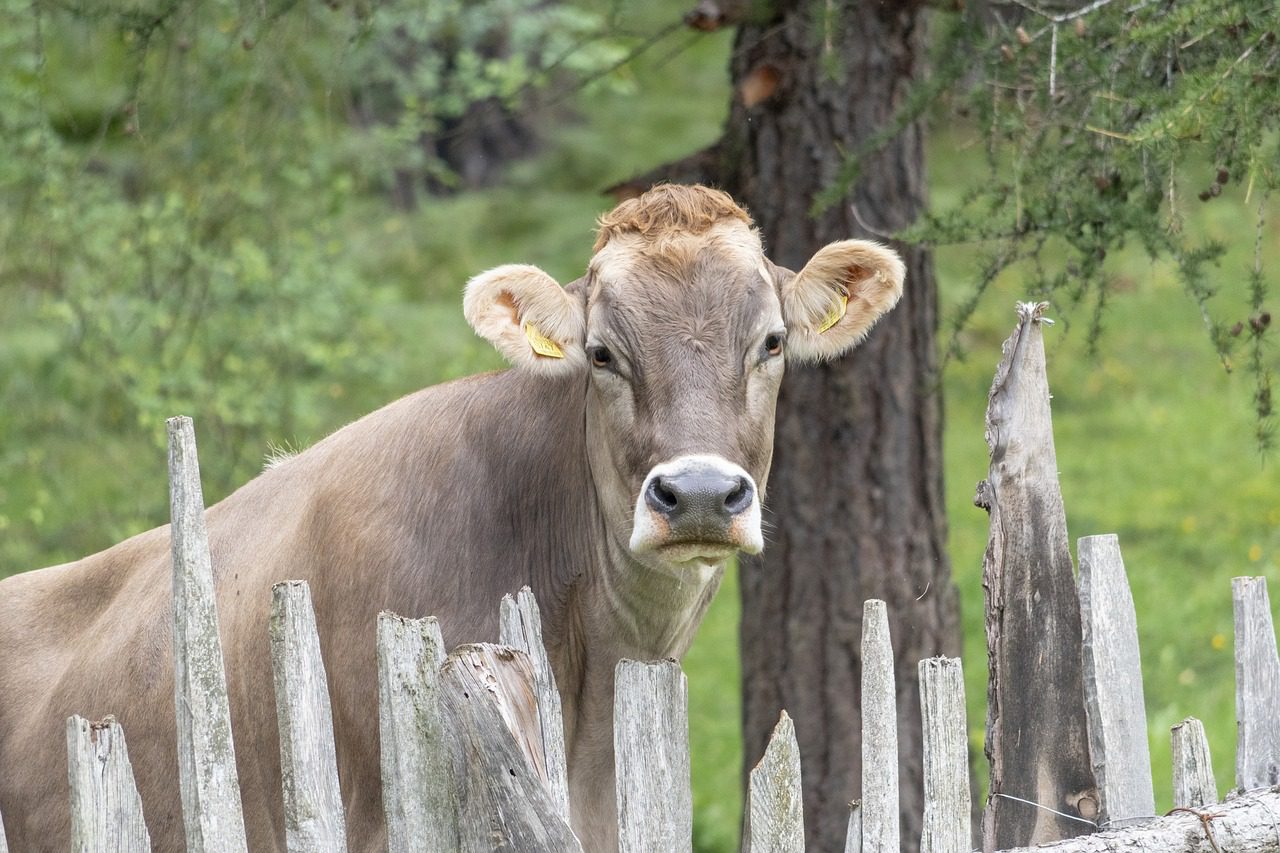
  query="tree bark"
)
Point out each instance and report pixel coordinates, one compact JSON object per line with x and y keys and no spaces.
{"x":856,"y":486}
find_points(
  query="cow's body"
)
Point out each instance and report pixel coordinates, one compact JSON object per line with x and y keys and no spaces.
{"x":437,"y":504}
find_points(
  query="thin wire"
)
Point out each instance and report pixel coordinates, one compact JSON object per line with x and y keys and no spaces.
{"x":1047,"y":809}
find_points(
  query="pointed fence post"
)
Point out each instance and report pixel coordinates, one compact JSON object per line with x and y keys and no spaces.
{"x":853,"y":837}
{"x":880,"y":833}
{"x":1037,"y":739}
{"x":1118,"y":744}
{"x":947,"y":806}
{"x":418,"y":785}
{"x":651,"y":748}
{"x":775,"y":807}
{"x":106,"y":811}
{"x":521,"y":628}
{"x":1193,"y":782}
{"x":206,"y":754}
{"x":313,"y":814}
{"x":4,"y":845}
{"x":1257,"y":686}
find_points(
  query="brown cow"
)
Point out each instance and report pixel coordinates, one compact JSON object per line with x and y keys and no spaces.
{"x":614,"y":470}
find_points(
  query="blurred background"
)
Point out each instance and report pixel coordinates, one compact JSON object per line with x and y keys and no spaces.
{"x":263,"y":214}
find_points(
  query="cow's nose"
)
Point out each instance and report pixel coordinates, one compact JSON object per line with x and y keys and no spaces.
{"x":702,"y":495}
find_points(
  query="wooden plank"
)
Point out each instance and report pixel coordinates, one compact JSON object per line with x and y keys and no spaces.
{"x":418,"y":782}
{"x":947,"y":805}
{"x":879,"y":733}
{"x":651,"y":748}
{"x":1247,"y":824}
{"x":207,"y":777}
{"x":775,"y":801}
{"x":4,"y":845}
{"x":1193,"y":782}
{"x":1117,"y":711}
{"x":313,"y":813}
{"x":521,"y":628}
{"x":1257,"y":686}
{"x":1037,"y":738}
{"x":106,"y":811}
{"x":853,"y":837}
{"x":504,"y":801}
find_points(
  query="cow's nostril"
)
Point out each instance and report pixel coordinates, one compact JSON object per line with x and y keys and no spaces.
{"x":660,"y":498}
{"x":739,"y":500}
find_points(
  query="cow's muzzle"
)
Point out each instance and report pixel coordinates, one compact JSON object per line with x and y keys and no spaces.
{"x":701,"y":508}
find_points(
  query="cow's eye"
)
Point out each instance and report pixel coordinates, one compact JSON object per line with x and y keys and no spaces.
{"x":600,"y":356}
{"x":773,"y":344}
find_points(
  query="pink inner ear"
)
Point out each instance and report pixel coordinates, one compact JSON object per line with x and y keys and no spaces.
{"x":857,"y":274}
{"x":506,"y":300}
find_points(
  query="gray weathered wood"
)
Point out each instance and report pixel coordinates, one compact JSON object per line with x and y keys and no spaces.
{"x":106,"y":811}
{"x":4,"y":845}
{"x":775,"y":801}
{"x":418,"y":784}
{"x":651,"y":747}
{"x":853,"y":837}
{"x":504,"y":801}
{"x":1037,"y":734}
{"x":521,"y":628}
{"x":947,"y":804}
{"x":1257,"y":686}
{"x":1193,"y":782}
{"x":1248,"y":824}
{"x":879,"y":733}
{"x":313,"y":814}
{"x":1118,"y":744}
{"x":206,"y":753}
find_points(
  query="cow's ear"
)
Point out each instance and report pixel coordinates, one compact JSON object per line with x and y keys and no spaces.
{"x":832,"y":303}
{"x":528,"y":317}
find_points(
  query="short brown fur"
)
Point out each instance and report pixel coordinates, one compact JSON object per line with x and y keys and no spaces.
{"x":667,"y":208}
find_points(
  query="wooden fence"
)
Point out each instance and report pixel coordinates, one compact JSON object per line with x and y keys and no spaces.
{"x":473,"y":754}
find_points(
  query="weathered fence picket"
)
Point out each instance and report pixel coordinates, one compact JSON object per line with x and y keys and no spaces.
{"x":1037,"y":740}
{"x":853,"y":836}
{"x":774,"y":819}
{"x":879,"y":733}
{"x":418,"y":794}
{"x":106,"y":811}
{"x":207,"y":776}
{"x":947,"y":805}
{"x":1257,"y":686}
{"x":520,"y":626}
{"x":313,"y":815}
{"x":4,"y":845}
{"x":1118,"y":745}
{"x":495,"y":744}
{"x":1193,"y":782}
{"x":651,"y":751}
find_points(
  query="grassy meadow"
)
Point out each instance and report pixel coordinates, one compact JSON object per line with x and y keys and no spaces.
{"x":1154,"y":437}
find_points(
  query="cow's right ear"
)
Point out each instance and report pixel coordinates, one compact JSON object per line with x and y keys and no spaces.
{"x":528,"y":317}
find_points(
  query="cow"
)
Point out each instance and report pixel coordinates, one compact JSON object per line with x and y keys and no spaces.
{"x":615,"y":468}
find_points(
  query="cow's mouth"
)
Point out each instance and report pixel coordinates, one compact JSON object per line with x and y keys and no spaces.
{"x":697,"y":552}
{"x":697,"y":508}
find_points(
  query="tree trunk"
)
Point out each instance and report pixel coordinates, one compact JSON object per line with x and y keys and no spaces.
{"x":857,"y":471}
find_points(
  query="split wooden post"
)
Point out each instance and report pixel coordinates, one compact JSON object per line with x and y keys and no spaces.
{"x":947,"y":805}
{"x":504,"y":802}
{"x":1118,"y":744}
{"x":1037,"y":740}
{"x":651,"y":748}
{"x":775,"y":801}
{"x":1193,"y":782}
{"x":106,"y":811}
{"x":853,"y":837}
{"x":313,"y":813}
{"x":1257,"y":686}
{"x":417,"y":772}
{"x":521,"y":628}
{"x":211,"y":809}
{"x":880,"y":833}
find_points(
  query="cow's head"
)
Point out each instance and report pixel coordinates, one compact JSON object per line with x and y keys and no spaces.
{"x":683,"y":327}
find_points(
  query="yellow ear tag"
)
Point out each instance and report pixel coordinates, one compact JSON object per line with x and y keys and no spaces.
{"x":541,"y":344}
{"x":836,"y":314}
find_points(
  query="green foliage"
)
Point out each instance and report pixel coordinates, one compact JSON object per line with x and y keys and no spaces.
{"x":1100,"y":124}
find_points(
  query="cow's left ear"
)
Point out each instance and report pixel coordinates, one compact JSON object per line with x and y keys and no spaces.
{"x":831,"y":304}
{"x":528,"y":317}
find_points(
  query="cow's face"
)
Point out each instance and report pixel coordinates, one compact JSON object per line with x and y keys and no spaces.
{"x":682,"y":328}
